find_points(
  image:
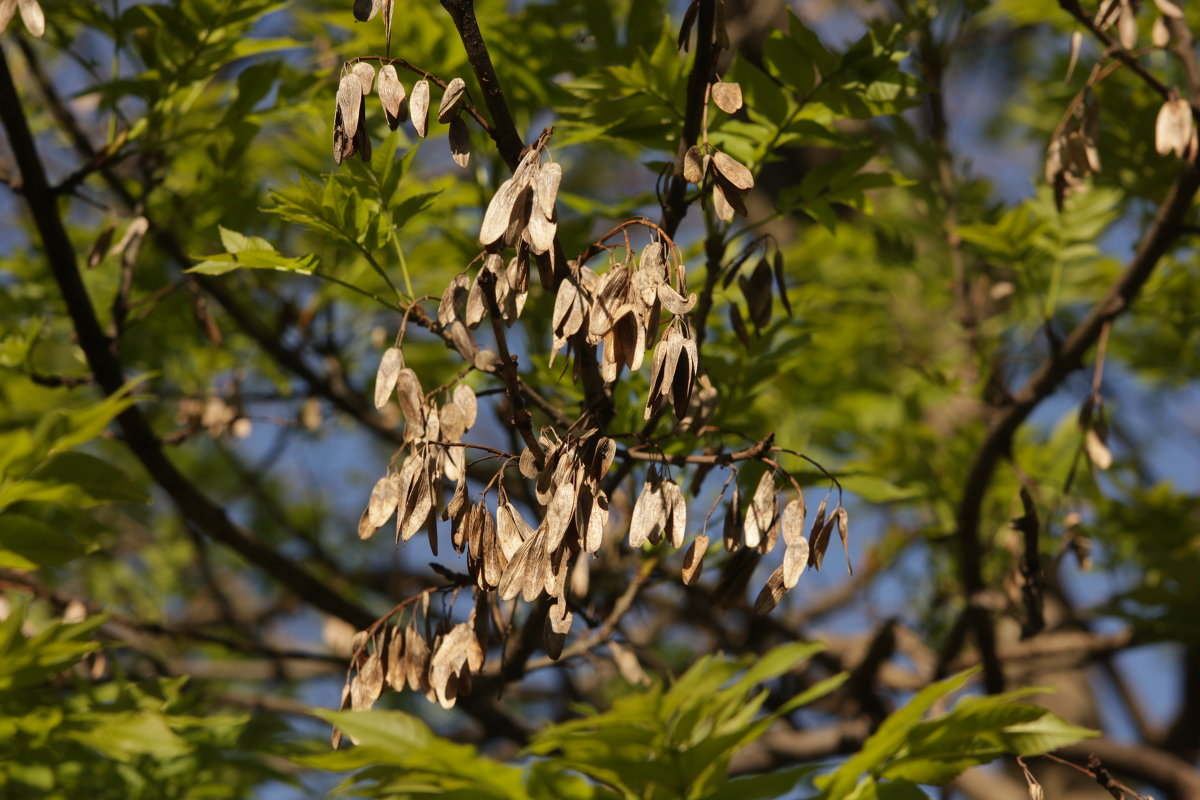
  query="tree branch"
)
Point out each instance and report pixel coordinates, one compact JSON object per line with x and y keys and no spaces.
{"x":505,"y":134}
{"x":675,"y":206}
{"x":198,"y":509}
{"x":1167,"y":226}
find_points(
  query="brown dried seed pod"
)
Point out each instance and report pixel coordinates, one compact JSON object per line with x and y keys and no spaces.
{"x":757,"y":290}
{"x":362,"y":139}
{"x":500,"y":211}
{"x":771,"y":594}
{"x":540,"y":232}
{"x":733,"y":171}
{"x":464,"y":398}
{"x":416,"y":658}
{"x":366,"y":75}
{"x":843,"y":525}
{"x":559,"y":515}
{"x":795,"y":559}
{"x":727,"y":96}
{"x":738,"y":324}
{"x":454,"y":299}
{"x":627,"y":664}
{"x":684,"y":377}
{"x":451,"y":99}
{"x":721,"y":205}
{"x":385,"y":377}
{"x":1169,"y":9}
{"x":761,"y":514}
{"x":549,"y":177}
{"x":412,"y":399}
{"x":349,"y":99}
{"x":1160,"y":34}
{"x":511,"y":529}
{"x":816,"y":548}
{"x":674,"y":302}
{"x":676,"y":505}
{"x":1127,"y":27}
{"x":418,"y":107}
{"x":367,"y":684}
{"x":384,"y":497}
{"x":395,"y":673}
{"x":693,"y":560}
{"x":649,"y":517}
{"x":460,"y":142}
{"x":365,"y":529}
{"x":528,"y":464}
{"x":365,"y":10}
{"x":792,"y":522}
{"x":693,"y":165}
{"x":1173,"y":127}
{"x":391,"y":96}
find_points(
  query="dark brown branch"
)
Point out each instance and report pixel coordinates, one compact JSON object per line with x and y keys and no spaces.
{"x":505,"y":134}
{"x":1114,"y":47}
{"x":1178,"y":779}
{"x":507,"y":367}
{"x":675,"y":206}
{"x":198,"y":509}
{"x":1164,"y":230}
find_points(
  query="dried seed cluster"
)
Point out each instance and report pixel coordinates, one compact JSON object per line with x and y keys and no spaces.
{"x":31,"y":15}
{"x":1073,"y":153}
{"x":607,"y":321}
{"x":350,"y":135}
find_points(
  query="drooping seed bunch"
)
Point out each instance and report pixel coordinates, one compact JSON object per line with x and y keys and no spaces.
{"x":350,"y":136}
{"x":608,"y":319}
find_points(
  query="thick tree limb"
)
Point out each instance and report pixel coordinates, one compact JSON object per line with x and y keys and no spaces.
{"x":675,"y":207}
{"x":1167,"y":226}
{"x":198,"y":509}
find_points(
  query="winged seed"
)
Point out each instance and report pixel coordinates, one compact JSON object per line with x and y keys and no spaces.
{"x":649,"y":512}
{"x":499,"y":212}
{"x":792,"y":523}
{"x":843,"y":525}
{"x":408,"y":390}
{"x":451,"y":99}
{"x":727,"y":96}
{"x":721,"y":204}
{"x":385,"y":377}
{"x":460,"y":142}
{"x":693,"y":165}
{"x":693,"y":560}
{"x":391,"y":96}
{"x":733,"y":171}
{"x":384,"y":498}
{"x":1173,"y":127}
{"x":365,"y":10}
{"x":795,"y":559}
{"x":349,"y":98}
{"x":548,"y":179}
{"x":771,"y":594}
{"x":418,"y":107}
{"x":366,"y":76}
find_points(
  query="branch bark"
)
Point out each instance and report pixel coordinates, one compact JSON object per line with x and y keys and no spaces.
{"x":196,"y":508}
{"x":675,"y":207}
{"x":1167,"y":226}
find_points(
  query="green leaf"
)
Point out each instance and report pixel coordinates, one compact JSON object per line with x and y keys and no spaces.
{"x":123,"y":735}
{"x":27,"y":543}
{"x":384,"y":729}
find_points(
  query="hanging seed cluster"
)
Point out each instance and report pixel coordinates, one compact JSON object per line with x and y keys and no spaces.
{"x":1073,"y":153}
{"x":31,"y":14}
{"x":529,"y":522}
{"x":350,"y":136}
{"x":720,"y":176}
